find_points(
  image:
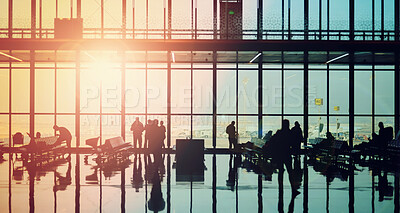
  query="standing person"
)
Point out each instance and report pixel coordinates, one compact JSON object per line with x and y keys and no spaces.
{"x":137,"y":130}
{"x":297,"y":138}
{"x":162,"y":132}
{"x":64,"y":135}
{"x":148,"y":133}
{"x":231,"y":131}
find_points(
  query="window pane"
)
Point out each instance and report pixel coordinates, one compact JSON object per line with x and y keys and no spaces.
{"x":384,"y":92}
{"x":248,"y":92}
{"x":317,"y":92}
{"x":135,"y":92}
{"x":362,"y":129}
{"x":180,"y":91}
{"x":90,"y":128}
{"x":339,"y":127}
{"x":66,"y":90}
{"x":157,"y":91}
{"x":272,"y":92}
{"x":90,"y":92}
{"x":226,"y":91}
{"x":4,"y":90}
{"x":20,"y":90}
{"x":363,"y":92}
{"x":202,"y":129}
{"x":339,"y":92}
{"x":44,"y":90}
{"x":293,"y":88}
{"x":4,"y":125}
{"x":317,"y":127}
{"x":271,"y":123}
{"x":247,"y":127}
{"x":111,"y":126}
{"x":44,"y":125}
{"x":180,"y":128}
{"x":20,"y":123}
{"x":202,"y":91}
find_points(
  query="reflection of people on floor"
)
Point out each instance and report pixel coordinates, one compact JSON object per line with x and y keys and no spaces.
{"x":137,"y":130}
{"x":63,"y":135}
{"x":297,"y":138}
{"x":137,"y":177}
{"x":231,"y":131}
{"x":156,"y":202}
{"x":233,"y":171}
{"x":385,"y":190}
{"x":63,"y":181}
{"x":156,"y":141}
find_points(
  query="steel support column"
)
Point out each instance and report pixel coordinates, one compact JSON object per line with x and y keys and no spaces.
{"x":214,"y":101}
{"x":123,"y":19}
{"x":79,"y":8}
{"x":77,"y":98}
{"x":396,"y":20}
{"x":351,"y":19}
{"x":33,"y":19}
{"x":10,"y":18}
{"x":169,"y":18}
{"x":351,"y":98}
{"x":305,"y":97}
{"x":306,"y":19}
{"x":123,"y":98}
{"x":397,"y":92}
{"x":169,"y":100}
{"x":259,"y":19}
{"x":260,"y":96}
{"x":32,"y":93}
{"x":215,"y":18}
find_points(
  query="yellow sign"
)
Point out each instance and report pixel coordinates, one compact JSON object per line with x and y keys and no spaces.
{"x":336,"y":108}
{"x":319,"y":101}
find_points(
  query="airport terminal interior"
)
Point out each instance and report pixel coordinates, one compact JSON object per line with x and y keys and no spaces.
{"x":199,"y":105}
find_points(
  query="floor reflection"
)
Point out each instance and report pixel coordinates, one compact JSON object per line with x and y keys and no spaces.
{"x":230,"y":183}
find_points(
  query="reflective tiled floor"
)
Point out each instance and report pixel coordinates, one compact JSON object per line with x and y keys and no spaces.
{"x":230,"y":185}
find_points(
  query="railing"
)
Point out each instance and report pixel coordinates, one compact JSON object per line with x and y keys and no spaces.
{"x":117,"y":33}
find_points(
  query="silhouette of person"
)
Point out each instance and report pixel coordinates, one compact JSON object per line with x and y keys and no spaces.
{"x":162,"y":132}
{"x":137,"y":177}
{"x":137,"y":130}
{"x":156,"y":202}
{"x":326,"y":143}
{"x":297,"y":138}
{"x":63,"y":181}
{"x":385,"y":190}
{"x":156,"y":141}
{"x":64,"y":135}
{"x":147,"y":134}
{"x":231,"y":174}
{"x":231,"y":131}
{"x":281,"y":153}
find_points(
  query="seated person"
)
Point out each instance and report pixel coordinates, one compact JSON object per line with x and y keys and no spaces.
{"x":64,"y":135}
{"x":326,"y":143}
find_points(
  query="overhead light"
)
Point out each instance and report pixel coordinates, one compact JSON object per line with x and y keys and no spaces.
{"x":10,"y":56}
{"x":337,"y":58}
{"x":255,"y":57}
{"x":173,"y":57}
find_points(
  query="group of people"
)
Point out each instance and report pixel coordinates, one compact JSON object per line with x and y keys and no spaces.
{"x":285,"y":140}
{"x":154,"y":136}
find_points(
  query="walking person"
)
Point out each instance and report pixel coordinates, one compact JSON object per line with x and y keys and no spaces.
{"x":137,"y":130}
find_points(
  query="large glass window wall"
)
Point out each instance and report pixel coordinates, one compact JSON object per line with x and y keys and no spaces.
{"x":101,"y":93}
